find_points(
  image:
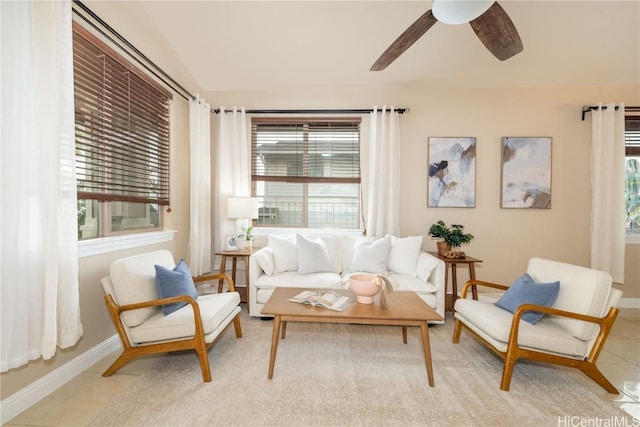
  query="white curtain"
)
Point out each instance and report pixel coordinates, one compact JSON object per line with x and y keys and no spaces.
{"x":607,"y":187}
{"x":233,"y":168}
{"x":200,"y":183}
{"x":39,"y":295}
{"x":382,"y":214}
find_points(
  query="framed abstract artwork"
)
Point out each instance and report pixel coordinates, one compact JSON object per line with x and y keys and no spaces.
{"x":526,"y":172}
{"x":451,"y":181}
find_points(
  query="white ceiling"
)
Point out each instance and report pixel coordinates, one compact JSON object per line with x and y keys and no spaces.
{"x":258,"y":45}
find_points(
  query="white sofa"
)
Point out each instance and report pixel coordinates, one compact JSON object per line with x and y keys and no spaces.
{"x":301,"y":261}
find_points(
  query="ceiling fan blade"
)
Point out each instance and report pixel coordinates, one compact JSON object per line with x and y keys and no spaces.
{"x":406,"y":39}
{"x":496,"y":31}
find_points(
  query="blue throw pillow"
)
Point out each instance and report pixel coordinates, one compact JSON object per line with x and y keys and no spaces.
{"x":525,"y":291}
{"x":172,"y":283}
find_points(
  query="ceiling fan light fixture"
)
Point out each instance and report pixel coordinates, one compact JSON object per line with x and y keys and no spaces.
{"x":457,"y":12}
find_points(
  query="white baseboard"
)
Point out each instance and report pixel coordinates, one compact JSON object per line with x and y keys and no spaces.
{"x":629,"y":303}
{"x":22,"y":400}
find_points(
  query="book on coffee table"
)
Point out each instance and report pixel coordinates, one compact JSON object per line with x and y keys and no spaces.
{"x":324,"y":299}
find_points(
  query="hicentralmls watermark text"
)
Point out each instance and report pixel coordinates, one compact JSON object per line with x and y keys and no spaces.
{"x":618,"y":421}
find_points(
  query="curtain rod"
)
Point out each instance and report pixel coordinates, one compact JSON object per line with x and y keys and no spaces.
{"x":587,"y":108}
{"x":148,"y":61}
{"x":356,"y":111}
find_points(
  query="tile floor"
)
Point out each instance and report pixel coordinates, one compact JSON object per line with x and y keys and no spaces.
{"x":78,"y":401}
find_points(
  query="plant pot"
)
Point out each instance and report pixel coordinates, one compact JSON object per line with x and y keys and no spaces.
{"x":442,"y":248}
{"x":248,"y":245}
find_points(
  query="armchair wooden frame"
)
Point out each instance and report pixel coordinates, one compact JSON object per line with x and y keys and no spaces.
{"x":514,"y":352}
{"x":196,"y":343}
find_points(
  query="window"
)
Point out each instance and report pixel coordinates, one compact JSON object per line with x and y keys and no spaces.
{"x":122,"y":142}
{"x":632,"y":173}
{"x":306,"y":172}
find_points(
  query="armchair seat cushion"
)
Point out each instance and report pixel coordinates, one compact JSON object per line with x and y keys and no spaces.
{"x":214,"y":309}
{"x":495,"y":322}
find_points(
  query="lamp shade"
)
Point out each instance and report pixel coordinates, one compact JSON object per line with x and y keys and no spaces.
{"x":459,"y":11}
{"x":242,"y":207}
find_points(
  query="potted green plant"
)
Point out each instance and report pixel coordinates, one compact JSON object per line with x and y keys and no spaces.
{"x":449,"y":237}
{"x":247,"y":235}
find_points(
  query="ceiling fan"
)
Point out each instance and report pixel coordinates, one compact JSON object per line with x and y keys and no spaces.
{"x":488,"y":19}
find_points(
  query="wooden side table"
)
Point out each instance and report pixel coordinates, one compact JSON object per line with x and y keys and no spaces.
{"x":453,"y":262}
{"x":244,"y":254}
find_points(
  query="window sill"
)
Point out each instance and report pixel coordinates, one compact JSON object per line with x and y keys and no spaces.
{"x":87,"y":248}
{"x":632,"y":239}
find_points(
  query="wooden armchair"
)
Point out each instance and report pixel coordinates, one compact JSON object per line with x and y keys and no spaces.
{"x":132,"y":300}
{"x":572,"y":333}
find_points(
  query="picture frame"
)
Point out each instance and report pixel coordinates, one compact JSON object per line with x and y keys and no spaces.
{"x":451,"y":177}
{"x":525,"y":180}
{"x":232,"y":243}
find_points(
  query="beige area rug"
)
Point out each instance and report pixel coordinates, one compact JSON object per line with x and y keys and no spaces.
{"x":352,"y":375}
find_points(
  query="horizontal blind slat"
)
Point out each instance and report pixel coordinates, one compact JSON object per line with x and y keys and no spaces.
{"x":308,"y":150}
{"x":122,"y":129}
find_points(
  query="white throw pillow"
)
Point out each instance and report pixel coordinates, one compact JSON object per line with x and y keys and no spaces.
{"x":404,"y":254}
{"x":313,"y":256}
{"x":264,"y":258}
{"x":426,"y":264}
{"x":285,"y":256}
{"x":333,"y":248}
{"x":347,"y":246}
{"x":371,"y":255}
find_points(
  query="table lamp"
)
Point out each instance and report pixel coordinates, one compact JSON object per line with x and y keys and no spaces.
{"x":242,"y":209}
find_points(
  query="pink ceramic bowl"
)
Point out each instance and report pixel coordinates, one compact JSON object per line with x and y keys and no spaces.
{"x":364,"y":286}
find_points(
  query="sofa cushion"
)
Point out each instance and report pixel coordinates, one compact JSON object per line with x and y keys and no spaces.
{"x":313,"y":256}
{"x":525,"y":291}
{"x":285,"y":254}
{"x":292,"y":279}
{"x":430,"y":299}
{"x":264,"y":258}
{"x":133,"y":280}
{"x":404,"y":254}
{"x":214,"y":309}
{"x":173,"y":283}
{"x":403,"y":282}
{"x":371,"y":255}
{"x":583,"y":290}
{"x":426,"y":265}
{"x":400,"y":282}
{"x":496,"y":323}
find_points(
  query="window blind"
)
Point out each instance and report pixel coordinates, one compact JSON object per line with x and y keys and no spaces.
{"x":632,"y":135}
{"x":305,"y":150}
{"x":121,"y":125}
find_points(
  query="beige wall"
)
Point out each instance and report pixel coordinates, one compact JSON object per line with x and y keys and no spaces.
{"x":505,"y":238}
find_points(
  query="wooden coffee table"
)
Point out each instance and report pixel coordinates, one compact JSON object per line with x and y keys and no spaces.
{"x":403,"y":309}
